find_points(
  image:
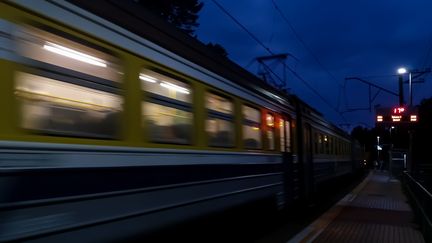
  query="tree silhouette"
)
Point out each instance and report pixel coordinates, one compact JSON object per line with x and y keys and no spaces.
{"x":181,"y":13}
{"x":216,"y":48}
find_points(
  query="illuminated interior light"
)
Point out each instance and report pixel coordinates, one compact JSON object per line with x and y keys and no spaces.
{"x":413,"y":118}
{"x":175,"y":87}
{"x":270,"y":120}
{"x":79,"y":56}
{"x":325,"y":138}
{"x":379,"y":118}
{"x":147,"y":78}
{"x":255,"y":128}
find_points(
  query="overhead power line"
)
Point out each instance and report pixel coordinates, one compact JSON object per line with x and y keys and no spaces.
{"x":300,"y":39}
{"x":271,"y":52}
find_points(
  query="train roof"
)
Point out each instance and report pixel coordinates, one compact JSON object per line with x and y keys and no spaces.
{"x":140,"y":21}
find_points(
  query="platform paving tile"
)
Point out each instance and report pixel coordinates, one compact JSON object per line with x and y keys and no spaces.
{"x":379,"y":213}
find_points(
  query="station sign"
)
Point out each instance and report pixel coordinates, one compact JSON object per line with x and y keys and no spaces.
{"x":396,"y":115}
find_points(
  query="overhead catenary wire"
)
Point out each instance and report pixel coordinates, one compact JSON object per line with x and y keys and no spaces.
{"x":426,"y":58}
{"x":300,"y":39}
{"x":272,"y":53}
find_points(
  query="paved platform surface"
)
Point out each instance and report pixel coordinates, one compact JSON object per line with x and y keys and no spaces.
{"x":375,"y":211}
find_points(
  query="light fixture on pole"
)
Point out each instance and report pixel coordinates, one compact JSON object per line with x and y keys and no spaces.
{"x":401,"y":71}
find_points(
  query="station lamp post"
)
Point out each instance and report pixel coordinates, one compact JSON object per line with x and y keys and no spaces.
{"x":401,"y":71}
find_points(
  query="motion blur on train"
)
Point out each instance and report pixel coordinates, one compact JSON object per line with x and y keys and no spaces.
{"x":114,"y":125}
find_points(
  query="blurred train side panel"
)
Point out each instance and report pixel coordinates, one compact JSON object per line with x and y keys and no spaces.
{"x":116,"y":125}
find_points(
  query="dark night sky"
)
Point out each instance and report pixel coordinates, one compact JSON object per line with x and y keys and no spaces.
{"x":350,"y":38}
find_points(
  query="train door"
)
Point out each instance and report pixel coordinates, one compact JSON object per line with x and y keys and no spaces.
{"x":291,"y":169}
{"x":307,"y":161}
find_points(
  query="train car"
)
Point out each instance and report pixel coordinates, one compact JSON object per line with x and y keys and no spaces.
{"x":109,"y":133}
{"x":116,"y":124}
{"x":324,"y":149}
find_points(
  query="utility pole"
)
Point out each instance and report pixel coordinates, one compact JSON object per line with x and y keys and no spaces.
{"x":415,"y":77}
{"x":371,"y":98}
{"x":268,"y":75}
{"x":401,"y":96}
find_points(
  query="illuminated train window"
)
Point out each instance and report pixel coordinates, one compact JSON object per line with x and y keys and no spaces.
{"x":54,"y":107}
{"x":218,"y":103}
{"x":219,"y":124}
{"x":285,"y":135}
{"x":251,"y":128}
{"x":270,"y":123}
{"x":167,"y":114}
{"x":166,"y":124}
{"x":165,"y":86}
{"x":282,"y":135}
{"x":46,"y":47}
{"x":70,"y":88}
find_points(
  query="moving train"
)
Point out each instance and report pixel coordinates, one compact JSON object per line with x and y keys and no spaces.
{"x":115,"y":123}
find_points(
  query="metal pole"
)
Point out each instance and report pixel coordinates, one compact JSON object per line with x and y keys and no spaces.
{"x":378,"y":160}
{"x":401,"y":97}
{"x":410,"y":90}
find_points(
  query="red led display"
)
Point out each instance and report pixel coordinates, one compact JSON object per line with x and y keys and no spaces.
{"x":398,"y":110}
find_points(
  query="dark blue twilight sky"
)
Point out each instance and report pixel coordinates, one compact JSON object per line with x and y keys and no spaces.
{"x":364,"y":38}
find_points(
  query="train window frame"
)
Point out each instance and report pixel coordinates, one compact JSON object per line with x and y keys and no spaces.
{"x":321,"y":147}
{"x":213,"y":114}
{"x":326,"y":144}
{"x":270,"y":131}
{"x":69,"y":111}
{"x":65,"y":75}
{"x":252,"y":124}
{"x":317,"y":142}
{"x":114,"y":61}
{"x":282,"y":135}
{"x":154,"y":99}
{"x":288,"y":135}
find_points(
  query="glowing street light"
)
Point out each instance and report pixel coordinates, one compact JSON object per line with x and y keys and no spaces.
{"x":402,"y":70}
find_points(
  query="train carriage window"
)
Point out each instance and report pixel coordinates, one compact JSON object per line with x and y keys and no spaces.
{"x":40,"y":45}
{"x":219,"y":124}
{"x":165,"y":86}
{"x":251,"y":128}
{"x":270,"y":121}
{"x":326,"y":144}
{"x":321,"y":143}
{"x":71,"y":88}
{"x":288,"y":136}
{"x":57,"y":107}
{"x":282,"y":135}
{"x":166,"y":124}
{"x":218,"y":103}
{"x":167,"y":113}
{"x":220,"y":132}
{"x":330,"y":145}
{"x":251,"y":114}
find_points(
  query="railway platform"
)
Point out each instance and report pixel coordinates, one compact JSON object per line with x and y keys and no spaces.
{"x":375,"y":211}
